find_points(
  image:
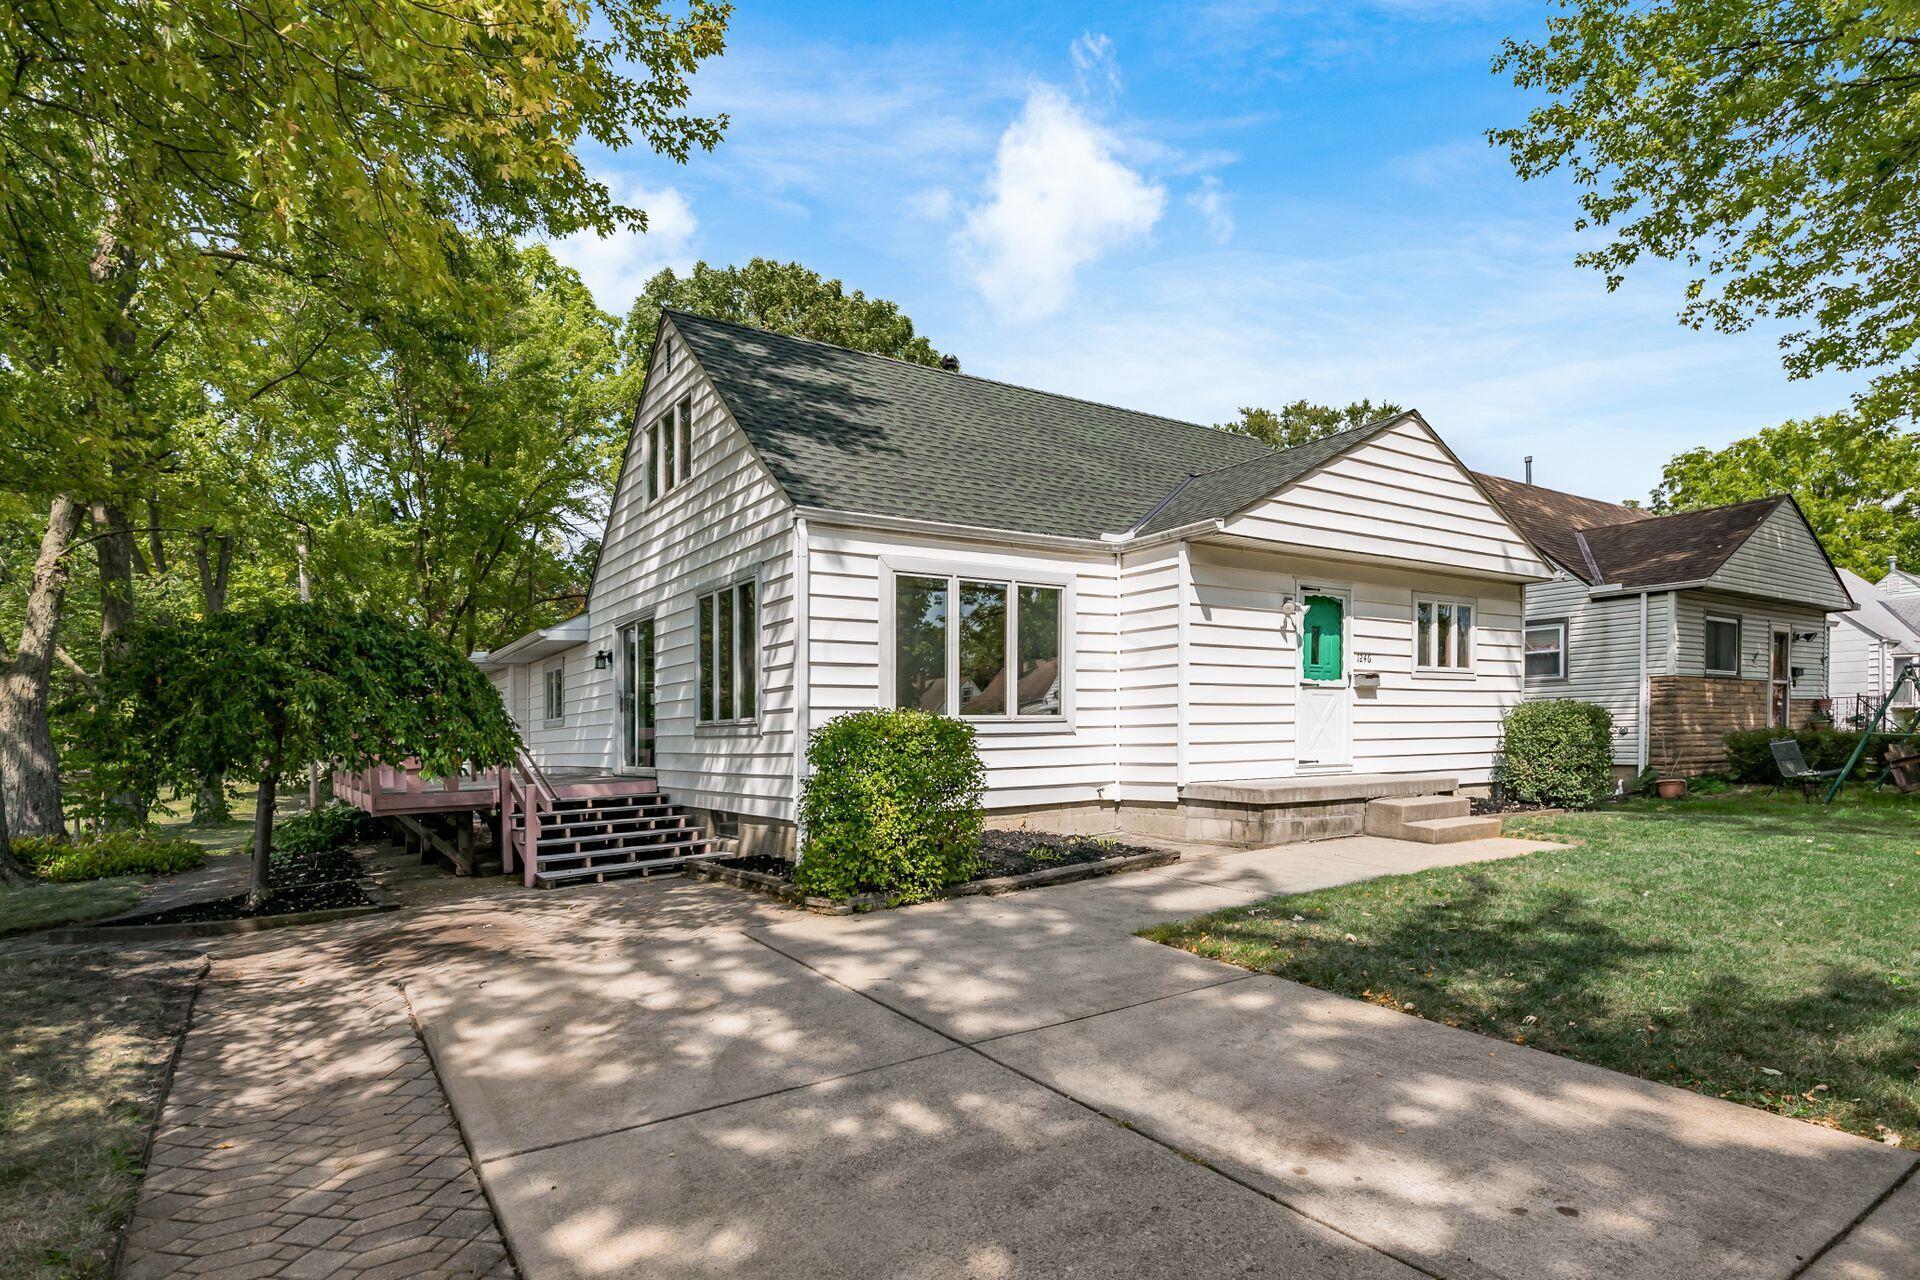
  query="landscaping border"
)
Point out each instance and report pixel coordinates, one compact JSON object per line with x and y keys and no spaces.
{"x":382,"y":901}
{"x":775,"y":887}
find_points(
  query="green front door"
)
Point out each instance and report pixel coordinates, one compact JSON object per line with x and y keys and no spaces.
{"x":1320,"y":657}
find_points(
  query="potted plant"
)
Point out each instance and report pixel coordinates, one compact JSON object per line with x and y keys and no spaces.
{"x":1671,"y":784}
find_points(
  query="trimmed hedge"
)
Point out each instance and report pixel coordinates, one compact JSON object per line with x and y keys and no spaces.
{"x":323,"y":829}
{"x":1557,"y":752}
{"x":892,"y":806}
{"x":1750,"y":753}
{"x":112,"y":853}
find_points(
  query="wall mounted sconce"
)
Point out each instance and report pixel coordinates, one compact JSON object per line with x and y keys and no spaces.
{"x":1806,"y":637}
{"x":602,"y":660}
{"x":1290,"y":607}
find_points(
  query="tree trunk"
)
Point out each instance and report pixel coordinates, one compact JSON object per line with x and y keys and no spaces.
{"x":29,"y":768}
{"x":258,"y":891}
{"x":11,"y":872}
{"x":114,"y":546}
{"x":210,"y":805}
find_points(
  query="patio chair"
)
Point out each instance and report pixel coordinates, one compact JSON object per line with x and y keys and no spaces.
{"x":1793,"y":769}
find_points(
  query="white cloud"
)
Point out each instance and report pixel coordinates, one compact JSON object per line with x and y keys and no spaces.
{"x":1058,"y":198}
{"x":618,"y":266}
{"x":1211,"y":202}
{"x":935,"y":204}
{"x":1096,"y":68}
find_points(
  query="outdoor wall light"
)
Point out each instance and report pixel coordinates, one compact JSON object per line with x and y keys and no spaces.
{"x":602,"y":660}
{"x":1289,"y":607}
{"x":1806,"y":637}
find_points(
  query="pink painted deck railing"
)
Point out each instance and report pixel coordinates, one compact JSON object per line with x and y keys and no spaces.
{"x":524,"y":789}
{"x":389,"y":789}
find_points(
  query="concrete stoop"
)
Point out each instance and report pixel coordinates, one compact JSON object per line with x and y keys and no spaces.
{"x":1428,"y":820}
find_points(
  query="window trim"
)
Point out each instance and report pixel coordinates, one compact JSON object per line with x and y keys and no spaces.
{"x":1707,"y":619}
{"x":1472,"y":667}
{"x":953,"y":573}
{"x":731,"y":586}
{"x":1536,"y":624}
{"x":551,"y":716}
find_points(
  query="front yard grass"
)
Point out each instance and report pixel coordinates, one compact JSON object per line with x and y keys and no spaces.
{"x":1749,"y":947}
{"x":84,"y":1047}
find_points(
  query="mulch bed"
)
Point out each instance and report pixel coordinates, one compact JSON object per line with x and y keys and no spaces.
{"x":301,"y":882}
{"x":1485,"y":808}
{"x":1002,"y":853}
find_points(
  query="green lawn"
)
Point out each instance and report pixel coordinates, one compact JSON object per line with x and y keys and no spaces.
{"x":1748,"y":947}
{"x":84,"y":1045}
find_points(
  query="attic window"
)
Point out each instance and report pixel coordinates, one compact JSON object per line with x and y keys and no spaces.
{"x":669,"y":448}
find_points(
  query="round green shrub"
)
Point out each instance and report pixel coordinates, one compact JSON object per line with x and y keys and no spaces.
{"x":1557,"y":752}
{"x":334,"y":826}
{"x":892,"y":806}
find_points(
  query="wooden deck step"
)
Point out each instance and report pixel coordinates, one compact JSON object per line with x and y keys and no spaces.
{"x":629,"y":823}
{"x":696,"y":852}
{"x":573,"y":855}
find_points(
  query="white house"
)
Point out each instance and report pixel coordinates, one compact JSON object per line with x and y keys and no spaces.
{"x":1152,"y":625}
{"x":1872,"y":644}
{"x":1686,"y":627}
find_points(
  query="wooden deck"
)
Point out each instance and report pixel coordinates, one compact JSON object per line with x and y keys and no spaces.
{"x":391,"y":791}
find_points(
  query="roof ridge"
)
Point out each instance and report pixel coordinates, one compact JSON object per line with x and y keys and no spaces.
{"x":956,"y":373}
{"x":1771,"y":500}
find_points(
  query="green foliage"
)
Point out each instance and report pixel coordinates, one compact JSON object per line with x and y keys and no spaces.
{"x":1557,"y":752}
{"x":1859,"y":484}
{"x":333,"y":827}
{"x":1750,"y":753}
{"x":253,"y":692}
{"x":1302,"y":421}
{"x":784,"y":297}
{"x":1767,"y":147}
{"x":892,"y":806}
{"x":111,"y":853}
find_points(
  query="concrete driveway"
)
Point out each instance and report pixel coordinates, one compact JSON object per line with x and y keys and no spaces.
{"x":677,"y":1079}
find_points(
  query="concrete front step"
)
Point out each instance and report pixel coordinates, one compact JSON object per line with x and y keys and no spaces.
{"x":1451,"y":830}
{"x":1390,"y":817}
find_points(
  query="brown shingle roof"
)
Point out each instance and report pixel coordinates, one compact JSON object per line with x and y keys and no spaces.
{"x":1552,"y":519}
{"x":1604,"y":542}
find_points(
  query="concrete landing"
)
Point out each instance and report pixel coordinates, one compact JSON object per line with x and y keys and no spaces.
{"x":1321,"y":790}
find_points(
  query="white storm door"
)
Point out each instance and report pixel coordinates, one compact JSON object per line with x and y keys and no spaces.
{"x":1325,"y":714}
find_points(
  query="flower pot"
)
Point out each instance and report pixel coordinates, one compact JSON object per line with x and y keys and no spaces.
{"x":1670,"y":788}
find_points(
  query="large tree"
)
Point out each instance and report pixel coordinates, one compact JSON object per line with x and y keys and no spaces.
{"x":1770,"y":146}
{"x":1301,"y":421}
{"x":260,"y":691}
{"x":1859,"y":485}
{"x":784,"y":297}
{"x":153,"y":156}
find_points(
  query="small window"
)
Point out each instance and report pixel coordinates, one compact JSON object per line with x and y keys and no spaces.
{"x":684,"y":412}
{"x":1546,"y":651}
{"x":555,"y":684}
{"x":1723,"y":646}
{"x":1442,"y":635}
{"x":729,"y":657}
{"x":985,"y":650}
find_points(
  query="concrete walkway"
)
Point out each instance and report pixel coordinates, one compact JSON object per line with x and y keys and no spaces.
{"x":678,"y":1079}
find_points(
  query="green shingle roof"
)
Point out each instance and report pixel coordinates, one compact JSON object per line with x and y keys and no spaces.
{"x":848,"y":431}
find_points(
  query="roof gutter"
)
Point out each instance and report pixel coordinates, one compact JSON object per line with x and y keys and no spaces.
{"x":1179,"y":533}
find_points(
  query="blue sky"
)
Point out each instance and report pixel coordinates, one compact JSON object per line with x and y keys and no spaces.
{"x":1191,"y":208}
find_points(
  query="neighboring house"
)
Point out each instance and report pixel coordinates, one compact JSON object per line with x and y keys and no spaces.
{"x":1132,"y":612}
{"x":1685,"y":627}
{"x":1872,"y":644}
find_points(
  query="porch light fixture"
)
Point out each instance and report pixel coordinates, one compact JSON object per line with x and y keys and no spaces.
{"x":602,"y":660}
{"x":1290,"y":607}
{"x":1806,"y":637}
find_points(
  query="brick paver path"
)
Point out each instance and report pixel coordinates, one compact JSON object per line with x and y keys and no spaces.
{"x":305,"y":1135}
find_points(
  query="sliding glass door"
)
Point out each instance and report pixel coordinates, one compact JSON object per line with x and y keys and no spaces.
{"x":634,"y":694}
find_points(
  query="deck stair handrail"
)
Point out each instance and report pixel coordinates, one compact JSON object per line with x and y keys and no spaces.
{"x":524,"y":789}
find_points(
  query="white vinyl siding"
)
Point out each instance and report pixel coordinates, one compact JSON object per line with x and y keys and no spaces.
{"x":1782,"y":561}
{"x":726,"y":522}
{"x":1398,"y":496}
{"x":1602,"y":653}
{"x":1757,"y":622}
{"x":1244,"y":669}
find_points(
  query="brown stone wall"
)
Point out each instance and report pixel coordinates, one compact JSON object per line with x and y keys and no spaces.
{"x":1692,"y":715}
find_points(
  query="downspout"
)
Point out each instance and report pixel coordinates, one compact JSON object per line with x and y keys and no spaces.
{"x":1646,"y":692}
{"x":802,"y":668}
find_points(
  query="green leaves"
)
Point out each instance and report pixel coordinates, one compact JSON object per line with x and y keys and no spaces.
{"x":1302,"y":421}
{"x":1770,"y":147}
{"x":892,"y":805}
{"x":1557,"y":752}
{"x":1858,"y":483}
{"x":260,"y":691}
